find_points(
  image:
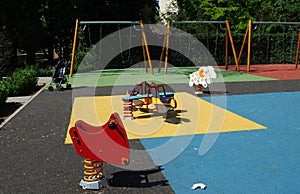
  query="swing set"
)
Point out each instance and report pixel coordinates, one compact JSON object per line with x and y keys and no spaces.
{"x":165,"y":46}
{"x":145,"y":47}
{"x":100,"y":23}
{"x":164,"y":53}
{"x":228,"y":36}
{"x":248,"y":35}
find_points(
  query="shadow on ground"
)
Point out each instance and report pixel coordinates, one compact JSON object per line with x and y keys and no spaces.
{"x":7,"y":109}
{"x":137,"y":179}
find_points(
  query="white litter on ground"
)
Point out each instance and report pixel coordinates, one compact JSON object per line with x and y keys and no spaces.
{"x":199,"y":185}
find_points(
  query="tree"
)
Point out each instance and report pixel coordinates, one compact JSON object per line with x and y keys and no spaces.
{"x":238,"y":12}
{"x":58,"y":19}
{"x":33,"y":24}
{"x":23,"y":28}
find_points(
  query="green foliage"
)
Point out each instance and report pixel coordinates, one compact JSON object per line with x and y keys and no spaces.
{"x":42,"y":69}
{"x":81,"y":51}
{"x":3,"y":92}
{"x":270,"y":43}
{"x":32,"y":25}
{"x":45,"y":71}
{"x":22,"y":82}
{"x":238,"y":13}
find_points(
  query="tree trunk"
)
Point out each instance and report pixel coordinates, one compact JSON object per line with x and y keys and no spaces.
{"x":50,"y":54}
{"x":14,"y":57}
{"x":30,"y":57}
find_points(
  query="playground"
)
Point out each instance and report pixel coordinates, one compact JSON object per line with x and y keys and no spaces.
{"x":256,"y":149}
{"x":238,"y":134}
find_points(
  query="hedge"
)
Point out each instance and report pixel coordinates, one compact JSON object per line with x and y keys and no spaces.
{"x":21,"y":82}
{"x":3,"y":92}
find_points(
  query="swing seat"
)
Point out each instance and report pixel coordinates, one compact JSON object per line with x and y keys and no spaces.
{"x":107,"y":143}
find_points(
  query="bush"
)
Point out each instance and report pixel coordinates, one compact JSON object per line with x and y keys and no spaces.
{"x":3,"y":92}
{"x":43,"y":71}
{"x":22,"y":82}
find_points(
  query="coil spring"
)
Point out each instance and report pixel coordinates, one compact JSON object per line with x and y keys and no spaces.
{"x":128,"y":110}
{"x":90,"y":172}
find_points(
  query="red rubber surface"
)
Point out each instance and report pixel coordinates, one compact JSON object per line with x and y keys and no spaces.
{"x":277,"y":71}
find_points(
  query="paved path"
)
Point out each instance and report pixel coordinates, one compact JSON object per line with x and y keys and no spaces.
{"x":34,"y":157}
{"x":22,"y":101}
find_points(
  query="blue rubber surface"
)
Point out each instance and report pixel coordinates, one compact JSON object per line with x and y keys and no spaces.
{"x":257,"y":161}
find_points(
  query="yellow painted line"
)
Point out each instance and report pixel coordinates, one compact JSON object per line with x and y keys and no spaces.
{"x":197,"y":117}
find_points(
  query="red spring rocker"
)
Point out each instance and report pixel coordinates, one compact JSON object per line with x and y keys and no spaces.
{"x":100,"y":144}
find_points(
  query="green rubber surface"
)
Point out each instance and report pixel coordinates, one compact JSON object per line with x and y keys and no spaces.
{"x":175,"y":75}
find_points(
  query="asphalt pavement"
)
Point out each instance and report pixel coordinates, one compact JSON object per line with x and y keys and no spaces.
{"x":34,"y":158}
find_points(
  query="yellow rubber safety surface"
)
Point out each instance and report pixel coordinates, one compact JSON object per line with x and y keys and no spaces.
{"x":196,"y":115}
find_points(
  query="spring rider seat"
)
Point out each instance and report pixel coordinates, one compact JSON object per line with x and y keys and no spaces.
{"x":202,"y":78}
{"x":100,"y":144}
